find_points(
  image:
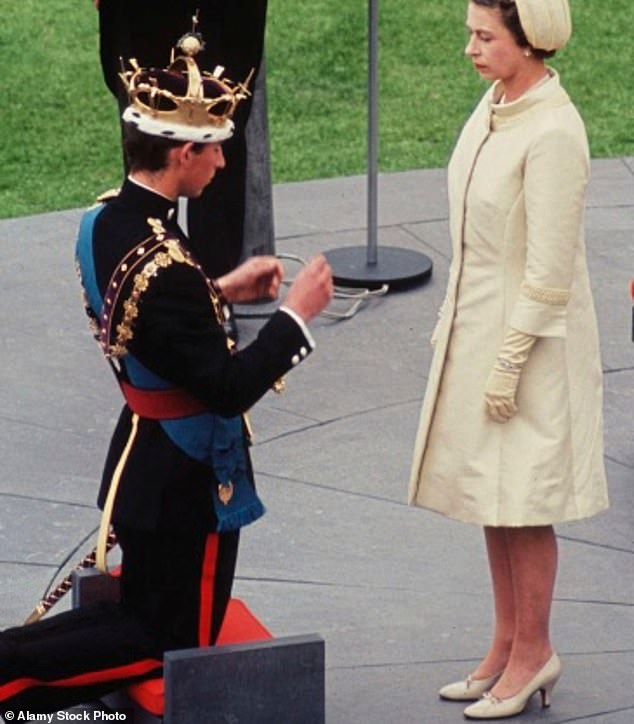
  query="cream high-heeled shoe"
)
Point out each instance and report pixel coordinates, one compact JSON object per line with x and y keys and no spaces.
{"x":468,"y":689}
{"x":490,"y":707}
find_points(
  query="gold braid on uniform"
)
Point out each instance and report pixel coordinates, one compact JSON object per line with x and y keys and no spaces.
{"x":154,"y":253}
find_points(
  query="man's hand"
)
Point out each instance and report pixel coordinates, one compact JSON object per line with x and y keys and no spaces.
{"x":260,"y":277}
{"x":312,"y":289}
{"x":257,"y":278}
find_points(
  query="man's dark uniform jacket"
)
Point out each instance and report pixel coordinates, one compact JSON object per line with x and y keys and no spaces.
{"x":177,"y":571}
{"x":178,"y":337}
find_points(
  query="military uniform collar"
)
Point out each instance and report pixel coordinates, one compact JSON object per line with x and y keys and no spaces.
{"x":148,"y":201}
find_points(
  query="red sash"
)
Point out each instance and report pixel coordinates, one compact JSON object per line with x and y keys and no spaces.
{"x":166,"y":404}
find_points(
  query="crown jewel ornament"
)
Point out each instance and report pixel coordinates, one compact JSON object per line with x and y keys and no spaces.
{"x":182,"y":102}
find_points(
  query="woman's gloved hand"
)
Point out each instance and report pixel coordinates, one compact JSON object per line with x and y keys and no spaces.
{"x":501,"y":385}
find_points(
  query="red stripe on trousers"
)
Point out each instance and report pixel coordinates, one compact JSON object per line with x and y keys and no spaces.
{"x":93,"y":677}
{"x":207,"y":581}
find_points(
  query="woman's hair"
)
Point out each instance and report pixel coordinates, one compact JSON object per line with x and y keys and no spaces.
{"x":511,"y":20}
{"x":148,"y":153}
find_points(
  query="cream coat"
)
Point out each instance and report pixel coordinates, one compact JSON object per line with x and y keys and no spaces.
{"x":517,"y":183}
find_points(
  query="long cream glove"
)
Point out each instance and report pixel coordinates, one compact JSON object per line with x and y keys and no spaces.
{"x":501,"y":386}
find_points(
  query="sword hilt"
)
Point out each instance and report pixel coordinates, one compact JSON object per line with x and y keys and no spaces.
{"x":88,"y":561}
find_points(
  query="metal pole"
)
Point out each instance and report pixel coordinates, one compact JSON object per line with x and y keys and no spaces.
{"x":373,"y":130}
{"x":358,"y":266}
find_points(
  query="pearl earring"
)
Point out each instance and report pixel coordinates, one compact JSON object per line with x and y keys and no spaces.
{"x":527,"y":52}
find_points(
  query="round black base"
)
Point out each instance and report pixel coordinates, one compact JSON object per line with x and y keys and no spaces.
{"x":399,"y":268}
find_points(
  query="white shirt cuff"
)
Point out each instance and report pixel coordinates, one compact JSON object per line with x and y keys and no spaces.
{"x":301,"y":323}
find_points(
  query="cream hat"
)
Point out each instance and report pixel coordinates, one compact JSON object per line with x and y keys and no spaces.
{"x":546,"y":23}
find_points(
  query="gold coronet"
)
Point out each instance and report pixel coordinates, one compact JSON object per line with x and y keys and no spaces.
{"x":182,"y":95}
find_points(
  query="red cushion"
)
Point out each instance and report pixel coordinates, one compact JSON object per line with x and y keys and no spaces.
{"x":149,"y":695}
{"x":239,"y":626}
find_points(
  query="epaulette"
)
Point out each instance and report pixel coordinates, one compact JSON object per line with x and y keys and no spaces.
{"x":108,"y":195}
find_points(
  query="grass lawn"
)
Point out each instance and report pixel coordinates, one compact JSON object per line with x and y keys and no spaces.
{"x":60,"y":136}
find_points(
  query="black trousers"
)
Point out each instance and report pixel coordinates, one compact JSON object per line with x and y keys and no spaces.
{"x":234,"y":38}
{"x":174,"y":593}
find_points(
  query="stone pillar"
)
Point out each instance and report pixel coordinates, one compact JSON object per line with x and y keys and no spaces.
{"x":259,"y":232}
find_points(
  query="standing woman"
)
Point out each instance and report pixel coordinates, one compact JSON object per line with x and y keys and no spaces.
{"x":511,"y":430}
